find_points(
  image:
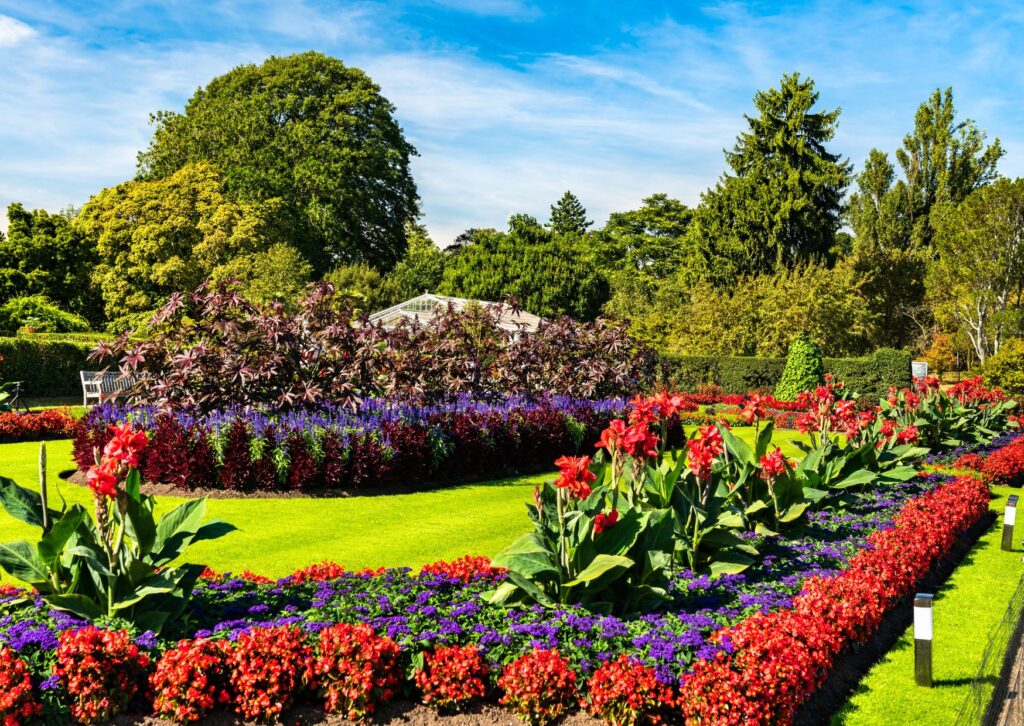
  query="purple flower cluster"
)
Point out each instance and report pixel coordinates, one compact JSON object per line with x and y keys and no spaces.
{"x":948,"y":457}
{"x":421,"y":611}
{"x":372,"y":415}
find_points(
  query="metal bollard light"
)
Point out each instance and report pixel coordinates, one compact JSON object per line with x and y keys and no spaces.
{"x":1009,"y":517}
{"x":923,"y":639}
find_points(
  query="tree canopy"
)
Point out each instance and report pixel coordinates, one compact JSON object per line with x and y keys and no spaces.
{"x":548,"y":274}
{"x":311,"y":132}
{"x":781,"y":204}
{"x":978,"y":277}
{"x":568,"y":217}
{"x":45,"y":255}
{"x":159,"y":237}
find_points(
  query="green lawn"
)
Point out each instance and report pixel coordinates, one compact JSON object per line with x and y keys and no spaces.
{"x":967,"y":607}
{"x":279,"y":535}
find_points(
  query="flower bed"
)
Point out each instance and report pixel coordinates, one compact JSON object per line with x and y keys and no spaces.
{"x":52,"y":423}
{"x":744,"y":648}
{"x":380,"y":446}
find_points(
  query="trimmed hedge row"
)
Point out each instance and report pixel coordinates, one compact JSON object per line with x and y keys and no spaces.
{"x":871,"y":376}
{"x":44,"y":367}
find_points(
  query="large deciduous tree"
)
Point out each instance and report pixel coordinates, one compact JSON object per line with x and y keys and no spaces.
{"x":422,"y":268}
{"x":45,"y":254}
{"x":781,"y":204}
{"x":978,"y":278}
{"x":942,"y":161}
{"x":159,"y":237}
{"x":312,"y":132}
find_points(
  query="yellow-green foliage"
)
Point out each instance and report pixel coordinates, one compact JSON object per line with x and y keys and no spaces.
{"x":1006,"y":368}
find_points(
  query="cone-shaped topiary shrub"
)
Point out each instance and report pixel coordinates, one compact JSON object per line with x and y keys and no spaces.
{"x":804,"y":369}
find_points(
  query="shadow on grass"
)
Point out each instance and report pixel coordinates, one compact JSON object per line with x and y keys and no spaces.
{"x":955,"y":682}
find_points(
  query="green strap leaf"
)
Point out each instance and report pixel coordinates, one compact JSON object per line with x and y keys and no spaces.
{"x":23,"y":504}
{"x":21,"y":560}
{"x":79,"y":605}
{"x":52,"y":544}
{"x":601,"y":567}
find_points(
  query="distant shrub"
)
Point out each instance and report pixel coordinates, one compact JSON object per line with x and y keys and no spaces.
{"x":45,"y":367}
{"x":37,"y":313}
{"x":331,"y":352}
{"x":804,"y":369}
{"x":1006,"y":368}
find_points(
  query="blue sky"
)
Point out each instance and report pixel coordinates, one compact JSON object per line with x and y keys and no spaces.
{"x":509,"y":102}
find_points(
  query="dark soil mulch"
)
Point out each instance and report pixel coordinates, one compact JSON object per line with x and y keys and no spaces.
{"x":168,"y":490}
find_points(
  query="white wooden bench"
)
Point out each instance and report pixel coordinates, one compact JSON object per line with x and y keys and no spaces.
{"x":97,"y":385}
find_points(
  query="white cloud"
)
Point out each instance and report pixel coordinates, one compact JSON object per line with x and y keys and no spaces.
{"x":13,"y":32}
{"x":648,"y":108}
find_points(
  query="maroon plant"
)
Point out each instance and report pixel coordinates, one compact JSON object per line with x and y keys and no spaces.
{"x":303,"y":471}
{"x":238,"y":473}
{"x":211,"y":350}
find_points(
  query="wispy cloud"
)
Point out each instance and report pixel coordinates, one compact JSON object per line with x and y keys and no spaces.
{"x":13,"y":31}
{"x":509,"y":102}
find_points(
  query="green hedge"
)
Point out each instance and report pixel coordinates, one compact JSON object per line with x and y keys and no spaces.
{"x":45,"y":367}
{"x":870,"y":376}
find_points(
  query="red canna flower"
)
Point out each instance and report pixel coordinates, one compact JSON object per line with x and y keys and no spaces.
{"x":773,"y":465}
{"x":908,"y":435}
{"x":102,"y":478}
{"x":612,"y":436}
{"x":639,"y":442}
{"x":604,"y":521}
{"x":575,"y":475}
{"x":643,"y":411}
{"x":126,"y":445}
{"x":754,"y":410}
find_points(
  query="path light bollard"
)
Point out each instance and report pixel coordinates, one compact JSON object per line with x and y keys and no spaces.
{"x":1009,"y":517}
{"x":923,"y":639}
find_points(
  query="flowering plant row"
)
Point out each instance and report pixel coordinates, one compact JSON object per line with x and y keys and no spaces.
{"x":609,"y":532}
{"x":967,"y":413}
{"x":51,"y":423}
{"x":351,"y":641}
{"x":380,"y":445}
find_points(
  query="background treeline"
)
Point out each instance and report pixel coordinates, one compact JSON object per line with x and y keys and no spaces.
{"x":278,"y":175}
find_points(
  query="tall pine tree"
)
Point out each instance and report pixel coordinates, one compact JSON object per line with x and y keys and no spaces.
{"x":782,"y":202}
{"x":568,"y":217}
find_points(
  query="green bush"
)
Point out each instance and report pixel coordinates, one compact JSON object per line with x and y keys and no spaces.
{"x":1006,"y":368}
{"x":45,"y":368}
{"x":38,"y":313}
{"x":804,"y":369}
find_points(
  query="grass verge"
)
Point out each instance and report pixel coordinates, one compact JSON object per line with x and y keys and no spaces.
{"x":966,"y":608}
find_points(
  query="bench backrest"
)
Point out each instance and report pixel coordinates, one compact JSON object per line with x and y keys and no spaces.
{"x":98,"y":383}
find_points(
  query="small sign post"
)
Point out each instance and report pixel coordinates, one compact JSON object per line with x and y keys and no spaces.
{"x":1009,"y":517}
{"x":923,"y":639}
